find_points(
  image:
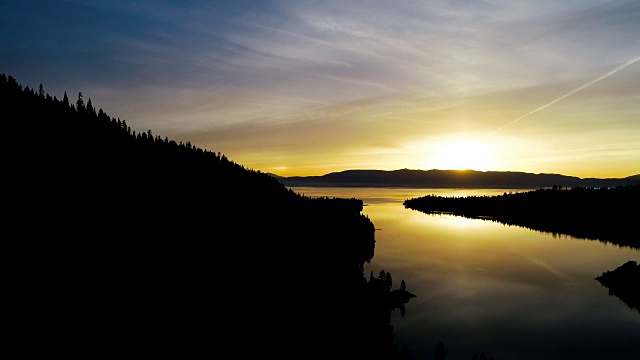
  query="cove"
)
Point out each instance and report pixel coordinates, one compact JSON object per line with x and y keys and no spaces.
{"x":484,"y":287}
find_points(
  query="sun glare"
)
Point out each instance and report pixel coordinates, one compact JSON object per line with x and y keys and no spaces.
{"x":463,"y":155}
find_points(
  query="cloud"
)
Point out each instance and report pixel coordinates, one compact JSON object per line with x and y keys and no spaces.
{"x":573,"y":91}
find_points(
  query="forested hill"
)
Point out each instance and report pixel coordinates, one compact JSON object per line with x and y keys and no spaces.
{"x":453,"y":179}
{"x":131,"y":243}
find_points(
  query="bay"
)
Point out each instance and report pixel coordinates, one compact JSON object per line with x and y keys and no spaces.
{"x":483,"y":287}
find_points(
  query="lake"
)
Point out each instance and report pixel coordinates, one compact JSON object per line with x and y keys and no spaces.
{"x":484,"y":287}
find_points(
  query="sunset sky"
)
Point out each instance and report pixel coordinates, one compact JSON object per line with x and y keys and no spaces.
{"x":312,"y":87}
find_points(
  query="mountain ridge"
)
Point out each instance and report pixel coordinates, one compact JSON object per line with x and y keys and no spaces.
{"x":436,"y":178}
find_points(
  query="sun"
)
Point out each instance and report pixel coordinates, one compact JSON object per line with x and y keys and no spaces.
{"x":463,"y":155}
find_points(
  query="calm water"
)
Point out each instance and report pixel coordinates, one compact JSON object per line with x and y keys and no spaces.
{"x":506,"y":291}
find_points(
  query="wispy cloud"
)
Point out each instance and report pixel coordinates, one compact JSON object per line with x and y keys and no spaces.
{"x":581,"y":87}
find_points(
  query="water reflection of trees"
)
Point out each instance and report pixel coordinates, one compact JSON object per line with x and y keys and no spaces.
{"x":441,"y":353}
{"x":604,"y":214}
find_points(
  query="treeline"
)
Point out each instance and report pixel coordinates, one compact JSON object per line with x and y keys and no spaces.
{"x":132,"y":243}
{"x":607,"y":214}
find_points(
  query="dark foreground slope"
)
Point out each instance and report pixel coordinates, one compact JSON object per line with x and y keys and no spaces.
{"x":126,"y":243}
{"x":604,"y":214}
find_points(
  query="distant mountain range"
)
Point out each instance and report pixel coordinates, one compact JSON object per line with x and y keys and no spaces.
{"x":452,"y":179}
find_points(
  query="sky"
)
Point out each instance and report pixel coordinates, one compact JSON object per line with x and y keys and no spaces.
{"x":313,"y":87}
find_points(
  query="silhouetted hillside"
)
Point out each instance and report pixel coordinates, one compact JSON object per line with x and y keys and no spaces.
{"x":452,"y":179}
{"x":128,"y":243}
{"x":605,"y":214}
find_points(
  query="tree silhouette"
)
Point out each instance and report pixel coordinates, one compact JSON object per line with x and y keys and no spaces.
{"x":90,"y":108}
{"x":440,"y":352}
{"x":388,"y":282}
{"x":80,"y":103}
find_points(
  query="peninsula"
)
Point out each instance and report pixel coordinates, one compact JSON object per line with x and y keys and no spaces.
{"x":604,"y":214}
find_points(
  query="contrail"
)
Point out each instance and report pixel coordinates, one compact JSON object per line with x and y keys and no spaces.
{"x":601,"y":77}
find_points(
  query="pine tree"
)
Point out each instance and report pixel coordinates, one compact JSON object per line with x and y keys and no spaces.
{"x":388,"y":282}
{"x":80,"y":102}
{"x":440,"y":353}
{"x":90,"y":108}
